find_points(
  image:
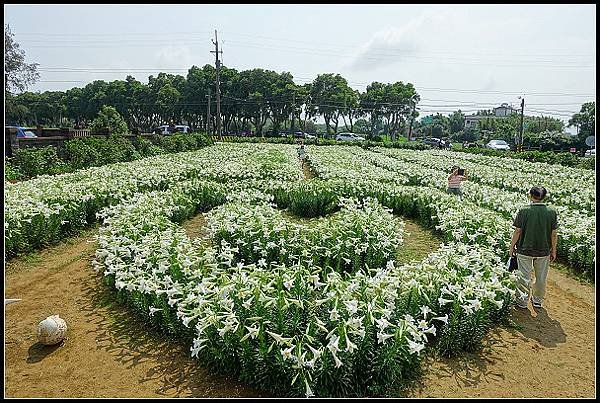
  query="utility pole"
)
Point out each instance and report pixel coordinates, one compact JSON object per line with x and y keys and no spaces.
{"x":217,"y":68}
{"x":521,"y":134}
{"x":208,"y":114}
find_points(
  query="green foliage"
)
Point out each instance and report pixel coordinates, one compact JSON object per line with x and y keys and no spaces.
{"x":109,"y":118}
{"x":585,"y":120}
{"x":549,"y":157}
{"x":549,"y":140}
{"x":184,"y":142}
{"x":586,"y":163}
{"x":11,"y":173}
{"x":18,"y":75}
{"x":29,"y":162}
{"x":456,"y":122}
{"x":88,"y":152}
{"x":91,"y":151}
{"x":308,"y":199}
{"x":145,"y":147}
{"x":469,"y":135}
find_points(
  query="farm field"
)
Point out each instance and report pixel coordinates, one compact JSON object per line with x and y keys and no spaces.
{"x":293,"y":280}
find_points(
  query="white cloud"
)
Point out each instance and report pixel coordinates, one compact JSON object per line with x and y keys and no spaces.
{"x":173,"y":57}
{"x":388,"y":46}
{"x":397,"y":44}
{"x":490,"y":84}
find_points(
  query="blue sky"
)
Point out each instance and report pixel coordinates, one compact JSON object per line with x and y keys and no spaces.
{"x":458,"y":56}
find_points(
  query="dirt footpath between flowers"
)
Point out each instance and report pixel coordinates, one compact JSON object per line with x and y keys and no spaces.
{"x":108,"y":353}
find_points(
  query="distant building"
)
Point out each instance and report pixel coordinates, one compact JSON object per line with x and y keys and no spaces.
{"x":504,"y":110}
{"x":501,"y":111}
{"x":472,"y":120}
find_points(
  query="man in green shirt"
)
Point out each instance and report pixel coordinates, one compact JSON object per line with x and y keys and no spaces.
{"x":534,"y":243}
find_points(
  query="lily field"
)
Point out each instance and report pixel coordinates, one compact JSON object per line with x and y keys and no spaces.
{"x":295,"y":288}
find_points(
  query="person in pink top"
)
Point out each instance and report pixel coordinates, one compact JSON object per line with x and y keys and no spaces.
{"x":455,"y":179}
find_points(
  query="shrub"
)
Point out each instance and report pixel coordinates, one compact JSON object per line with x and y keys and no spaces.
{"x":548,"y":157}
{"x":109,"y":118}
{"x":184,"y":142}
{"x":30,"y":162}
{"x":11,"y":173}
{"x":145,"y":147}
{"x":83,"y":152}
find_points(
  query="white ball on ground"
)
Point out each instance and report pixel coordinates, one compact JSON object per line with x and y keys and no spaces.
{"x":51,"y":330}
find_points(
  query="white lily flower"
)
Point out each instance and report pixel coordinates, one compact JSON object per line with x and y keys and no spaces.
{"x":287,"y":353}
{"x":425,"y":310}
{"x":382,"y":337}
{"x":443,"y":301}
{"x":414,"y":347}
{"x":442,"y":318}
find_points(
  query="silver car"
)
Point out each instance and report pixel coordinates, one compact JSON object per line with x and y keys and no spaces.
{"x":349,"y":137}
{"x":498,"y":145}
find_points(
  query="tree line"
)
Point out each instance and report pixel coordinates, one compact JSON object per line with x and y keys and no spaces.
{"x":249,"y":100}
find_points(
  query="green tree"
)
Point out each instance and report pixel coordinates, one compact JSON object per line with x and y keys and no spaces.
{"x":585,"y":121}
{"x":329,"y":93}
{"x":372,"y":103}
{"x":18,"y":75}
{"x":456,"y":122}
{"x":109,"y":118}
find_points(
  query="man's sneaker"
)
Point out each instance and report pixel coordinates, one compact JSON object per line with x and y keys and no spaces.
{"x":536,"y":304}
{"x":522,"y":305}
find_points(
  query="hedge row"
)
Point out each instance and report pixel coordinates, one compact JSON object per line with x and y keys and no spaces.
{"x":550,"y":157}
{"x":91,"y":151}
{"x":327,"y":142}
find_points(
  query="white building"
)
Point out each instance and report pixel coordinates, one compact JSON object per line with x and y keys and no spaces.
{"x":504,"y":110}
{"x":471,"y":121}
{"x":501,"y":111}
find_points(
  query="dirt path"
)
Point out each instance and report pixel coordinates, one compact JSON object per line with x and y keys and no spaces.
{"x":109,"y":354}
{"x":549,"y":353}
{"x":308,"y":172}
{"x":417,"y":243}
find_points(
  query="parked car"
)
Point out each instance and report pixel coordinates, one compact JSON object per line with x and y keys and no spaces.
{"x":433,"y":141}
{"x":590,"y":153}
{"x":22,"y":132}
{"x":303,"y":135}
{"x":349,"y":137}
{"x":498,"y":145}
{"x":166,"y":129}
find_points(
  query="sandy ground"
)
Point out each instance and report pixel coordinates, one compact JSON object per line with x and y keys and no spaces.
{"x":108,"y":353}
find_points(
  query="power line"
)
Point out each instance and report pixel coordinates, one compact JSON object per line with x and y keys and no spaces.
{"x":70,"y":43}
{"x":408,"y":54}
{"x":433,"y":52}
{"x":408,"y":59}
{"x":70,"y":34}
{"x":153,"y":69}
{"x":123,"y":36}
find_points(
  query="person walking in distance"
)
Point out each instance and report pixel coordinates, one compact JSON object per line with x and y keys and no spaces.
{"x":456,"y":177}
{"x":534,"y":244}
{"x":302,"y":154}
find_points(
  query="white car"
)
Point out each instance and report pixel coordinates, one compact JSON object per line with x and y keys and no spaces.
{"x":303,"y":135}
{"x":165,"y":129}
{"x":498,"y":145}
{"x":590,"y":153}
{"x":349,"y":137}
